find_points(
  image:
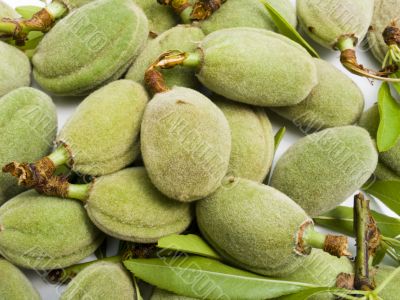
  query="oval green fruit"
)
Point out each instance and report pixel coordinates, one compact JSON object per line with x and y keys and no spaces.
{"x":251,"y":65}
{"x":15,"y":69}
{"x":327,"y":21}
{"x":390,"y":159}
{"x":127,"y":206}
{"x":101,"y":280}
{"x":391,"y":290}
{"x":43,"y":233}
{"x":322,"y":170}
{"x":14,"y":284}
{"x":243,"y":221}
{"x":159,"y":294}
{"x":160,"y":18}
{"x":28,"y":127}
{"x":385,"y":11}
{"x":248,"y":13}
{"x":186,"y":144}
{"x":253,"y":145}
{"x":103,"y":133}
{"x":90,"y":47}
{"x":335,"y":101}
{"x":184,"y":38}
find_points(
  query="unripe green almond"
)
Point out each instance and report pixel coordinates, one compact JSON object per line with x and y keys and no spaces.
{"x":103,"y":134}
{"x":391,"y":158}
{"x":15,"y":69}
{"x":392,"y":289}
{"x":14,"y":285}
{"x":385,"y":11}
{"x":90,"y":47}
{"x":184,"y":38}
{"x":101,"y":280}
{"x":243,"y":221}
{"x":127,"y":206}
{"x":335,"y":101}
{"x":28,"y":127}
{"x":252,"y":139}
{"x":43,"y":233}
{"x":159,"y":294}
{"x":326,"y":21}
{"x":322,"y":269}
{"x":251,"y":65}
{"x":186,"y":144}
{"x":160,"y":18}
{"x":248,"y":13}
{"x":385,"y":173}
{"x":7,"y":11}
{"x":323,"y":169}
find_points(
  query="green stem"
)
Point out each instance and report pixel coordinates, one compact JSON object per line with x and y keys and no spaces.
{"x":60,"y":156}
{"x":345,"y":43}
{"x":57,"y":9}
{"x":79,"y":191}
{"x":314,"y":238}
{"x":192,"y":60}
{"x":186,"y":14}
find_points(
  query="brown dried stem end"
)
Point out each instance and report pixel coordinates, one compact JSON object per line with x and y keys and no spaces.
{"x":154,"y":80}
{"x":57,"y":186}
{"x":177,"y":5}
{"x":345,"y":281}
{"x":391,"y":35}
{"x":336,"y":245}
{"x":348,"y":58}
{"x":301,"y":248}
{"x":31,"y":175}
{"x":134,"y":250}
{"x":203,"y":9}
{"x":59,"y":276}
{"x":366,"y":232}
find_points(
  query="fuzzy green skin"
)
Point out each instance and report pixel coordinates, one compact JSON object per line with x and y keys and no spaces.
{"x":384,"y":173}
{"x":44,"y":233}
{"x":390,"y":159}
{"x":15,"y":69}
{"x":242,"y":220}
{"x":253,"y":146}
{"x":322,"y":269}
{"x":159,"y":294}
{"x":73,"y":4}
{"x":252,"y":66}
{"x":184,"y":38}
{"x":103,"y":133}
{"x":101,"y":280}
{"x":335,"y":101}
{"x":160,"y":18}
{"x":186,"y":144}
{"x":392,"y":290}
{"x":127,"y":206}
{"x":29,"y":126}
{"x":385,"y":11}
{"x":14,"y":285}
{"x":326,"y":21}
{"x":322,"y":170}
{"x":248,"y":13}
{"x":7,"y":11}
{"x":90,"y":47}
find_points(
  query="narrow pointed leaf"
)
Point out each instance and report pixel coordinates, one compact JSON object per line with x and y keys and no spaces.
{"x":138,"y":295}
{"x":389,"y":126}
{"x":189,"y":243}
{"x":279,"y":136}
{"x":205,"y":278}
{"x":396,"y":85}
{"x":287,"y":30}
{"x":341,"y":219}
{"x":388,"y":192}
{"x":307,"y":294}
{"x":27,"y":11}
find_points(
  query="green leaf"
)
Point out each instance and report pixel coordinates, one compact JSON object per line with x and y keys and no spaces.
{"x":341,"y":219}
{"x":200,"y":277}
{"x":380,"y":253}
{"x":389,"y":126}
{"x":287,"y":30}
{"x":307,"y":294}
{"x":189,"y":243}
{"x":388,"y":192}
{"x":396,"y":85}
{"x":27,"y":11}
{"x":279,"y":136}
{"x":138,"y":295}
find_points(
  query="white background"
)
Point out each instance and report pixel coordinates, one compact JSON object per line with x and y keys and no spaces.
{"x":66,"y":106}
